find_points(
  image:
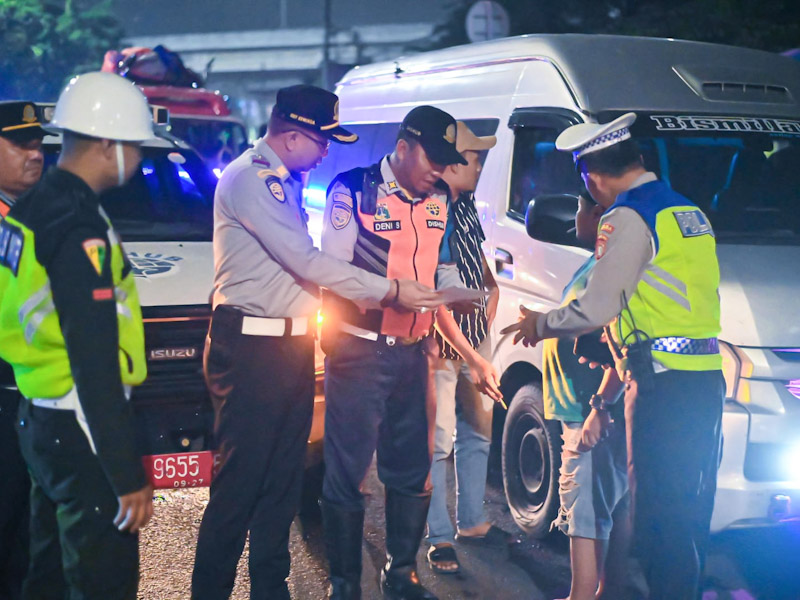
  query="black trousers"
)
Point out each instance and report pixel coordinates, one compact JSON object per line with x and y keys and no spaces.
{"x":673,"y":456}
{"x":14,"y":501}
{"x":263,"y":394}
{"x":76,"y":551}
{"x":374,"y":399}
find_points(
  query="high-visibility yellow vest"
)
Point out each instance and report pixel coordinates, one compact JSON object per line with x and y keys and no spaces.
{"x":676,"y":302}
{"x":30,"y":333}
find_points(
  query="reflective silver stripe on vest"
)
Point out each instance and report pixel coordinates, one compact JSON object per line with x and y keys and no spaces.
{"x":33,"y":302}
{"x":36,"y":320}
{"x":682,"y":345}
{"x":122,"y":308}
{"x":34,"y":317}
{"x":669,"y":292}
{"x":669,"y":278}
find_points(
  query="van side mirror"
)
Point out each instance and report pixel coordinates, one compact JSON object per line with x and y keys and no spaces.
{"x":551,"y":218}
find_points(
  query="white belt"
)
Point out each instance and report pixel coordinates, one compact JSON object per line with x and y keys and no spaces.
{"x":68,"y":401}
{"x":362,"y":333}
{"x":275,"y":327}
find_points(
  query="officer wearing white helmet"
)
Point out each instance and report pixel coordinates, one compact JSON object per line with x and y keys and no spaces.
{"x":70,"y":326}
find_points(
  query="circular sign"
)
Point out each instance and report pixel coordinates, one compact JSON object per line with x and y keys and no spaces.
{"x":487,"y":20}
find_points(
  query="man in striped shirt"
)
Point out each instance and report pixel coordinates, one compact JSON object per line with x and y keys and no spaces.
{"x":461,"y":372}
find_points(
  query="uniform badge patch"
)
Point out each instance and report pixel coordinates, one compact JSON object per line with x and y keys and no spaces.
{"x":693,"y":223}
{"x":392,"y":185}
{"x":600,"y":246}
{"x":382,"y":212}
{"x":607,"y":227}
{"x":275,"y":188}
{"x":341,"y":214}
{"x":432,"y":208}
{"x":95,"y":249}
{"x":11,"y":242}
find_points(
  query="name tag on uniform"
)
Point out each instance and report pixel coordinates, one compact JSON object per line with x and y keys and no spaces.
{"x":693,"y":223}
{"x":11,"y":242}
{"x":435,"y":224}
{"x":386,"y":225}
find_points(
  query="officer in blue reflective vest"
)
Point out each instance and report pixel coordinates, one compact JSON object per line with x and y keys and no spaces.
{"x":657,"y":279}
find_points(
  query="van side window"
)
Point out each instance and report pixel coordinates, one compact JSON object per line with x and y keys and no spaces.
{"x":539,"y":168}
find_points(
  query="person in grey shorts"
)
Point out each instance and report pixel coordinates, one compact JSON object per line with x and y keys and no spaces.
{"x":593,"y":484}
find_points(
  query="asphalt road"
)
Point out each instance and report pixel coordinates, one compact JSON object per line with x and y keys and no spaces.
{"x":743,"y":565}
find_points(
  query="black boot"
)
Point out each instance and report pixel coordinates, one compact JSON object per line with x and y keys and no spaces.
{"x":405,"y":525}
{"x":344,"y":530}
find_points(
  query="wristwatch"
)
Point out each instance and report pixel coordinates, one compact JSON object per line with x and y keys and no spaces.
{"x":597,"y":402}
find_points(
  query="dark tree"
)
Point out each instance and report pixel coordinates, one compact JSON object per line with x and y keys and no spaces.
{"x":44,"y":42}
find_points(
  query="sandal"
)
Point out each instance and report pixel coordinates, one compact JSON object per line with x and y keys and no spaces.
{"x":494,"y":538}
{"x":437,"y":556}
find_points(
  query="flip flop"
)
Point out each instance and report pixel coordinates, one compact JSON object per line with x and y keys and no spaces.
{"x":443,"y":554}
{"x":494,"y":538}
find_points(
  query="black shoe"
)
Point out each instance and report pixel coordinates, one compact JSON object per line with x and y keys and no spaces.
{"x":403,"y":584}
{"x":405,"y":524}
{"x":344,"y":531}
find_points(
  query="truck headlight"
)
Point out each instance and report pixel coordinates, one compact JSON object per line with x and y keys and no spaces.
{"x":736,"y":368}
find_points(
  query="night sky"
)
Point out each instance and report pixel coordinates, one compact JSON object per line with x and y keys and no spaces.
{"x":148,"y":17}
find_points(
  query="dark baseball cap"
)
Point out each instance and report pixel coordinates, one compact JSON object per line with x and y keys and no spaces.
{"x":436,"y":132}
{"x":20,"y":121}
{"x":315,"y":109}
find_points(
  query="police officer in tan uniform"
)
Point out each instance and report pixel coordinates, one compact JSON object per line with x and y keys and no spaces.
{"x":259,"y":357}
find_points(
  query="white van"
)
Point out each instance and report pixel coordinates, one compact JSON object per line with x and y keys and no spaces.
{"x":720,"y":124}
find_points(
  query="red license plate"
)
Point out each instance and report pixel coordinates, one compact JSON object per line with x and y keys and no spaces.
{"x":182,"y":470}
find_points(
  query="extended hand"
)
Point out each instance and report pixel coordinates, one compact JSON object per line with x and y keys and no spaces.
{"x":135,"y":509}
{"x":485,"y":378}
{"x":525,"y":327}
{"x":416,"y":297}
{"x":596,"y":427}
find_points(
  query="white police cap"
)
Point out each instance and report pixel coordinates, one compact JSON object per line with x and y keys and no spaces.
{"x":585,"y":138}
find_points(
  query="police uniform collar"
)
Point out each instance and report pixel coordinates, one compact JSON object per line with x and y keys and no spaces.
{"x":266,"y":158}
{"x":646,"y":177}
{"x":585,"y":138}
{"x":391,"y":184}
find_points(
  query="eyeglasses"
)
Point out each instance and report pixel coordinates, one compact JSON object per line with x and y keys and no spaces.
{"x":322,"y":144}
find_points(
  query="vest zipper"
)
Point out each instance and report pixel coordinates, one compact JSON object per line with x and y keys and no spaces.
{"x":414,"y":264}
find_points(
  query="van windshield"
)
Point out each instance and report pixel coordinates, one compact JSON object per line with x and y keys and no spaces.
{"x":170,"y":198}
{"x":743,"y":173}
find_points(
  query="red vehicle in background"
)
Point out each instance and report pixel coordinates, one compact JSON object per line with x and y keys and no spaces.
{"x":200,"y":117}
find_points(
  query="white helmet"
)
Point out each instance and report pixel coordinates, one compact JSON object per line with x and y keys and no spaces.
{"x":103,"y":105}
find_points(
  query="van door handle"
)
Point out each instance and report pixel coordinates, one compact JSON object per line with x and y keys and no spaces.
{"x":504,"y":263}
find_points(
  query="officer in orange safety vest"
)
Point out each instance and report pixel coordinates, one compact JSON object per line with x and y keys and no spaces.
{"x":389,"y":219}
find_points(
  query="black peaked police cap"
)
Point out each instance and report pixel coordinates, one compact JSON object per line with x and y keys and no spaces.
{"x":315,"y":109}
{"x":20,"y":121}
{"x":436,"y":132}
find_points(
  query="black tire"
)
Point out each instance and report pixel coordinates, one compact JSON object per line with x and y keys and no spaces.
{"x":531,"y":459}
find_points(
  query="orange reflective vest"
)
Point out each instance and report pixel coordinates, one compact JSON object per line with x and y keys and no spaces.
{"x":397,"y":239}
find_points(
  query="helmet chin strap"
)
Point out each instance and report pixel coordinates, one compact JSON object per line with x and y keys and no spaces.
{"x":120,"y":164}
